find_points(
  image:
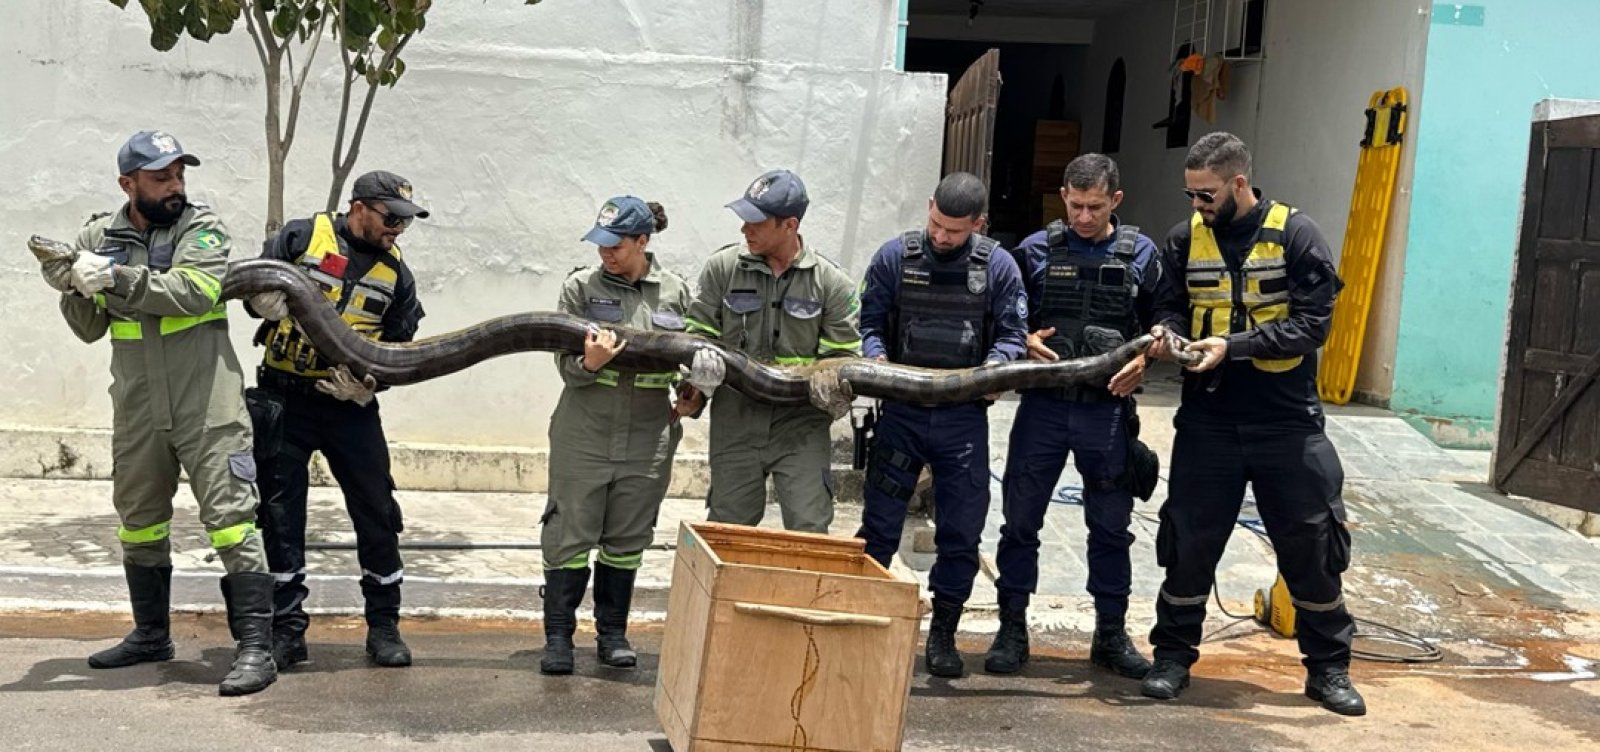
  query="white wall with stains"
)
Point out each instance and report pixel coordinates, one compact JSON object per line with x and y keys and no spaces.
{"x":513,"y":122}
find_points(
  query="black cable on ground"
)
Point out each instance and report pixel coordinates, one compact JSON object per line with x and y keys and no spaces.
{"x":1422,"y":651}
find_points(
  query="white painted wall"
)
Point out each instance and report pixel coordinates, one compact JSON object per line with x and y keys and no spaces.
{"x":514,"y":123}
{"x":1300,"y":110}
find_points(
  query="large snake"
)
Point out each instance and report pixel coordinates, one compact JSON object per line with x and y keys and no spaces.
{"x":411,"y":362}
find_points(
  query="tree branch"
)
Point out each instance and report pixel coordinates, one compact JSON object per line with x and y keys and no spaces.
{"x":300,"y":83}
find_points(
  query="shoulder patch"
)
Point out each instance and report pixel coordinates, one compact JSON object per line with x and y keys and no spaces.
{"x":95,"y":216}
{"x":209,"y":238}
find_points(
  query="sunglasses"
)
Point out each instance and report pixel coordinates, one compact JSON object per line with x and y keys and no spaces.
{"x":390,"y":220}
{"x":1204,"y":197}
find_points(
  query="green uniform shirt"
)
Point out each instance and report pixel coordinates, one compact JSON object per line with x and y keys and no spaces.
{"x":164,"y":314}
{"x":612,"y":415}
{"x":808,"y":312}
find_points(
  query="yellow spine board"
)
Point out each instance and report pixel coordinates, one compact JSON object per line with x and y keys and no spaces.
{"x":1370,"y":204}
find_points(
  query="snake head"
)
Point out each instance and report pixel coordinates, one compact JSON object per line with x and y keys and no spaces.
{"x":47,"y":250}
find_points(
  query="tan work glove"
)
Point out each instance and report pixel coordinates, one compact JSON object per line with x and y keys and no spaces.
{"x":830,"y":394}
{"x":343,"y":385}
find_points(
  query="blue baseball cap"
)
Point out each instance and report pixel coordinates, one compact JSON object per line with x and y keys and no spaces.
{"x":620,"y":217}
{"x":152,"y":150}
{"x":778,"y":193}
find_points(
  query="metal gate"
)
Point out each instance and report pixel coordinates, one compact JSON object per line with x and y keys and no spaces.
{"x":969,"y":118}
{"x":1549,"y":441}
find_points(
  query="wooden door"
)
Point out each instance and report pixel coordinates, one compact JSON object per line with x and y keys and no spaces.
{"x":1548,"y":446}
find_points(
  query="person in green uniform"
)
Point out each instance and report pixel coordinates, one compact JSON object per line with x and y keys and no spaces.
{"x":612,"y":436}
{"x":781,"y":302}
{"x":150,"y":276}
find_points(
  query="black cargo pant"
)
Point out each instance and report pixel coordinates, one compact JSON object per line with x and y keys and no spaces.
{"x":351,"y":438}
{"x":1297,"y":480}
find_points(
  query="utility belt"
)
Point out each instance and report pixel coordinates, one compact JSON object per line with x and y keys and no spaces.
{"x":281,"y":382}
{"x":1084,"y":394}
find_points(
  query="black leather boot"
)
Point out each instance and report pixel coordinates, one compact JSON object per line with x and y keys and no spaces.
{"x":1165,"y":680}
{"x":1009,"y":651}
{"x":150,"y":592}
{"x":1333,"y":689}
{"x":613,"y":596}
{"x":942,"y":658}
{"x":288,"y":648}
{"x":249,"y":599}
{"x":384,"y":646}
{"x":1113,"y":649}
{"x":562,"y":592}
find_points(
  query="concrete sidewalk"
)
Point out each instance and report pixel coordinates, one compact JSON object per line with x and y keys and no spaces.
{"x":1436,"y":552}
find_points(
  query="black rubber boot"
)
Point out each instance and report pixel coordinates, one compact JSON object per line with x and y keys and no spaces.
{"x":1009,"y":651}
{"x":1112,"y":649}
{"x":249,"y":599}
{"x":1165,"y":680}
{"x":942,"y":658}
{"x":613,"y":596}
{"x":562,"y":592}
{"x":1333,"y":689}
{"x":288,"y":648}
{"x":150,"y":592}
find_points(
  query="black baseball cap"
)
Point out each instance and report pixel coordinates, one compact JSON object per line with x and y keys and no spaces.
{"x":778,"y":193}
{"x":152,"y":150}
{"x":394,"y":191}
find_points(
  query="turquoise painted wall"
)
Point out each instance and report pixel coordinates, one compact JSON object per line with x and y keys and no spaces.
{"x":1486,"y":67}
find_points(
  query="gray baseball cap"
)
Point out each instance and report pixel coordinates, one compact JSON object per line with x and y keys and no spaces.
{"x":620,"y":217}
{"x":394,"y":191}
{"x":152,"y":150}
{"x":778,"y":193}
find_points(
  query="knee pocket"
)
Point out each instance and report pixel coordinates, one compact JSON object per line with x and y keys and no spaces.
{"x":1338,"y":542}
{"x":1166,"y":541}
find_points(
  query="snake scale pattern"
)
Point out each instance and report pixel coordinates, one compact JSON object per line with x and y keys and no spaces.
{"x":398,"y":364}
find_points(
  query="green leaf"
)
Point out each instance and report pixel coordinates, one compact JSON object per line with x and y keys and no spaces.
{"x":399,"y":68}
{"x":123,"y":4}
{"x":283,"y":22}
{"x":385,"y":40}
{"x":163,"y":39}
{"x":360,"y":65}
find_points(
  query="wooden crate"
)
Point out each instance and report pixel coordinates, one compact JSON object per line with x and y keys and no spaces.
{"x":784,"y":640}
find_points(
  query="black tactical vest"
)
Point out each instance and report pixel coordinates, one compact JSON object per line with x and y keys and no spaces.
{"x":942,"y":319}
{"x":1089,"y":298}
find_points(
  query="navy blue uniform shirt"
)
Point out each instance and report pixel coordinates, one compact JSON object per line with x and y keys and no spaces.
{"x":1008,"y":300}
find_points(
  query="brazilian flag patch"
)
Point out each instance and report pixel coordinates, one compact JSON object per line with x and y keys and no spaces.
{"x":209,"y":239}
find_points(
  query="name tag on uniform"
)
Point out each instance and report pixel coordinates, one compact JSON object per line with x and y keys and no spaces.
{"x":915,"y":276}
{"x":1063,"y":271}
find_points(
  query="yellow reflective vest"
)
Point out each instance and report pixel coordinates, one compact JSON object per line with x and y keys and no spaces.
{"x":361,"y":306}
{"x":1223,"y":303}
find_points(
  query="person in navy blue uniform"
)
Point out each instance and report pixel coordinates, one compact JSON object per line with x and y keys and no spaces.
{"x":940,"y":297}
{"x":1090,"y":281}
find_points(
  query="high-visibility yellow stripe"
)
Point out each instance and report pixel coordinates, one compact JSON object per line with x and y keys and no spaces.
{"x":174,"y":324}
{"x":125,"y":330}
{"x":229,"y":537}
{"x":660,"y":380}
{"x":695,"y":325}
{"x":828,"y":344}
{"x":158,"y":531}
{"x":207,"y":282}
{"x":800,"y":360}
{"x":656,"y":380}
{"x":630,"y":561}
{"x":169,"y":324}
{"x":581,"y":561}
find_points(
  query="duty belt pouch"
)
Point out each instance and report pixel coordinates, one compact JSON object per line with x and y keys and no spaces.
{"x":266,"y":422}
